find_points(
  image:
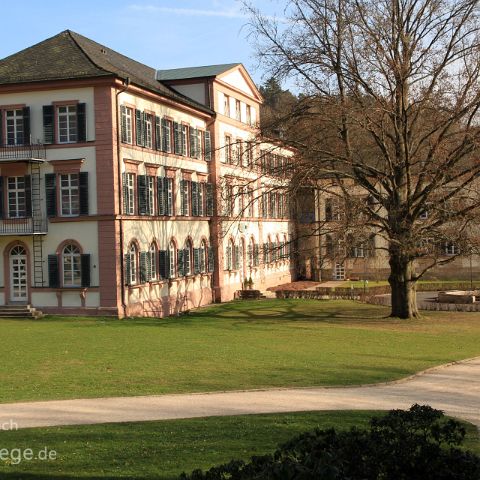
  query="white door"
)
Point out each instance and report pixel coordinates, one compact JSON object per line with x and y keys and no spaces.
{"x":339,"y":272}
{"x":18,"y":274}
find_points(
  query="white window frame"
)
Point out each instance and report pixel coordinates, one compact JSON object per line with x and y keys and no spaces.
{"x":130,"y":184}
{"x":451,"y":248}
{"x":133,"y":258}
{"x":187,"y":258}
{"x":172,"y":255}
{"x":238,"y":110}
{"x":184,"y":133}
{"x":69,"y":132}
{"x":202,"y":257}
{"x":153,"y":261}
{"x":148,"y":131}
{"x":17,"y":198}
{"x":14,"y":127}
{"x":150,"y":195}
{"x":70,"y":207}
{"x":127,"y":115}
{"x":71,"y":266}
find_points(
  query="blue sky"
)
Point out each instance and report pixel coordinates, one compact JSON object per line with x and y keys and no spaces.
{"x":160,"y":33}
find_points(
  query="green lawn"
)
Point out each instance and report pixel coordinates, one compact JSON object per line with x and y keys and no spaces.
{"x":238,"y":345}
{"x":161,"y":450}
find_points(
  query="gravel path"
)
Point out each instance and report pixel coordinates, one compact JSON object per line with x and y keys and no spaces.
{"x":454,"y":388}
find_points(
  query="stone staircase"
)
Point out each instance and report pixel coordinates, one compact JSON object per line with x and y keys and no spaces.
{"x":19,"y":311}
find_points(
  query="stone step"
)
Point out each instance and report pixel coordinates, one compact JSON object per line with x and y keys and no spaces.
{"x":19,"y":311}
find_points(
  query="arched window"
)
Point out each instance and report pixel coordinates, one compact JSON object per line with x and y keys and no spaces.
{"x":202,"y":254}
{"x":153,"y":261}
{"x":72,"y":266}
{"x":172,"y":255}
{"x":187,"y":258}
{"x":251,"y":252}
{"x":131,"y":265}
{"x":230,"y":252}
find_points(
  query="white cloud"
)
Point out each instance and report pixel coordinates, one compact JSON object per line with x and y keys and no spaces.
{"x":191,"y":12}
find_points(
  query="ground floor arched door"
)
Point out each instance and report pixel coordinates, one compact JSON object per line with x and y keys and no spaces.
{"x":18,"y":274}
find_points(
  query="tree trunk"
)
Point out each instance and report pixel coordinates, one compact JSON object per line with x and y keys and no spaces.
{"x":404,"y":296}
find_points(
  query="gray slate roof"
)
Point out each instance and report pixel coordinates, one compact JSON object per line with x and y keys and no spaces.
{"x":194,"y":72}
{"x":70,"y":55}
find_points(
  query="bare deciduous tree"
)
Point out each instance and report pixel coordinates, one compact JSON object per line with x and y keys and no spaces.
{"x":392,"y":91}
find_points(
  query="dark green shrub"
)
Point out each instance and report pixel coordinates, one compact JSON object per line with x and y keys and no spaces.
{"x":418,"y":444}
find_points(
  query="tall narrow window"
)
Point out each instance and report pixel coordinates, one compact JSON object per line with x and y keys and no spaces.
{"x":153,"y":261}
{"x":126,"y":125}
{"x":150,"y":195}
{"x":148,"y":131}
{"x":238,"y":110}
{"x":249,"y":114}
{"x":203,"y":257}
{"x":172,"y":255}
{"x":226,"y":105}
{"x":14,"y":121}
{"x":17,"y":201}
{"x":187,"y":258}
{"x":228,"y":149}
{"x":72,"y":266}
{"x":67,"y":124}
{"x":69,"y":194}
{"x":129,"y":194}
{"x":166,"y":135}
{"x":132,"y":265}
{"x":184,"y":140}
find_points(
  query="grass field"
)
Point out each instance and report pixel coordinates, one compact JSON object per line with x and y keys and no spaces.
{"x":162,"y":450}
{"x":238,"y":345}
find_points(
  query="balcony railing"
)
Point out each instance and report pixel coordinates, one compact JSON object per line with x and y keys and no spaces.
{"x":23,"y":152}
{"x":23,"y":226}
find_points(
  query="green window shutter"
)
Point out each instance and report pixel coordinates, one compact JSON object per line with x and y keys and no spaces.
{"x":48,"y":122}
{"x":237,"y":257}
{"x":161,"y":196}
{"x":81,"y":122}
{"x":211,"y":259}
{"x":51,"y":194}
{"x":195,"y":186}
{"x":192,"y":142}
{"x":125,"y":193}
{"x":228,"y":252}
{"x":28,"y":195}
{"x":158,"y":134}
{"x":145,"y":267}
{"x":180,"y":263}
{"x":139,"y":128}
{"x":209,"y":199}
{"x":166,"y":135}
{"x":53,"y":272}
{"x":169,"y":188}
{"x":177,"y":138}
{"x":126,"y":259}
{"x":184,"y":197}
{"x":142,"y":194}
{"x":200,"y":198}
{"x":196,"y":260}
{"x":26,"y":126}
{"x":83,"y":193}
{"x":163,"y":263}
{"x":85,"y":266}
{"x":208,"y":146}
{"x":123,"y":120}
{"x":265,"y":253}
